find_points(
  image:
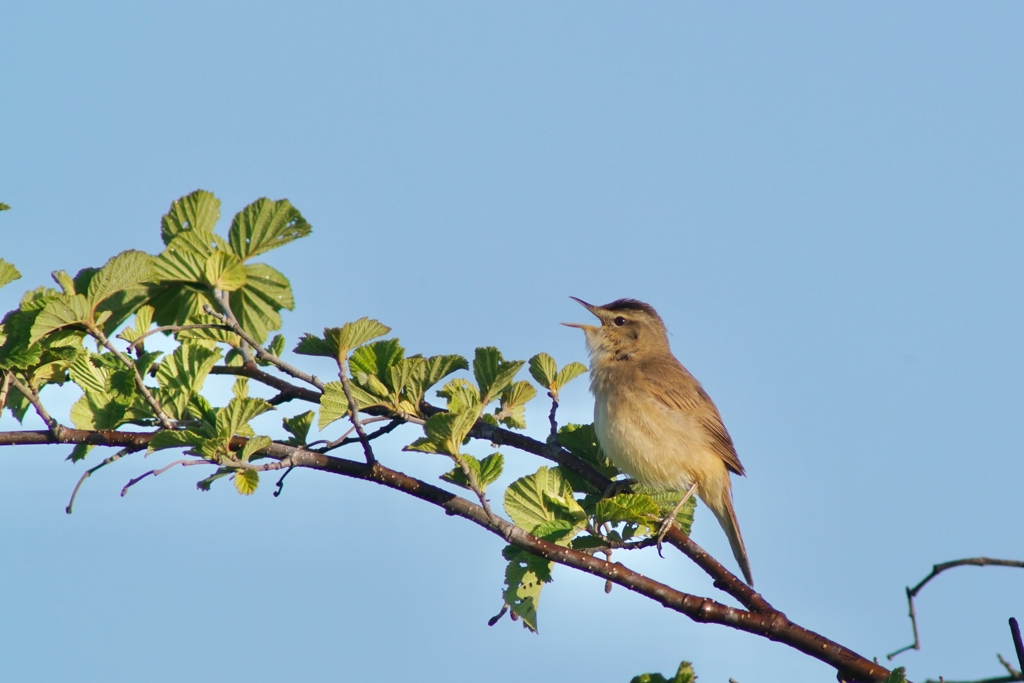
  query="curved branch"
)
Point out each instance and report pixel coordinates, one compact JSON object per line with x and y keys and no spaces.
{"x":936,"y":570}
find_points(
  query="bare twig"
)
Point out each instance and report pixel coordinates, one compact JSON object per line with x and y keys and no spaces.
{"x":184,"y":462}
{"x":936,"y":570}
{"x":56,"y":428}
{"x":280,"y":482}
{"x":88,"y":473}
{"x":178,"y":328}
{"x":158,"y":410}
{"x":343,"y":439}
{"x":287,"y":368}
{"x":223,"y":300}
{"x":353,"y":410}
{"x":551,"y":417}
{"x":1010,"y":668}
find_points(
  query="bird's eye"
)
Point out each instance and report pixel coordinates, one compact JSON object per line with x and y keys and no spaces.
{"x":620,"y":321}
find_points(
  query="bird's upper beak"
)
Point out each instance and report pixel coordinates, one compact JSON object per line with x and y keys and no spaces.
{"x":589,"y":307}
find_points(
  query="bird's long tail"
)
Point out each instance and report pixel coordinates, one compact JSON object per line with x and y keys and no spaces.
{"x":727,"y":518}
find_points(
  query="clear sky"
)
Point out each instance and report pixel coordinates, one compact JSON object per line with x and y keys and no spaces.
{"x":825,"y":202}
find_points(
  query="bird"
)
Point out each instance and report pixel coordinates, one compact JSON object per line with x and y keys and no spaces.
{"x":653,"y":419}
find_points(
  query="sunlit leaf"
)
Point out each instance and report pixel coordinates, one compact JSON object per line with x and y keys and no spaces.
{"x":254,"y":444}
{"x":541,"y":497}
{"x":224,"y":271}
{"x":350,"y":335}
{"x":197,"y":211}
{"x":127,"y":269}
{"x":59,"y":312}
{"x":544,"y":370}
{"x":298,"y":427}
{"x":246,"y":482}
{"x":265,"y":225}
{"x":492,"y":372}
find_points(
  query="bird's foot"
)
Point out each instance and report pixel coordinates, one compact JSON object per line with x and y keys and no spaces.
{"x":618,"y":486}
{"x":670,"y":520}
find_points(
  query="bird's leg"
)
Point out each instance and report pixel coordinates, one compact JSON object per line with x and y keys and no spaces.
{"x":671,"y":519}
{"x":618,"y":486}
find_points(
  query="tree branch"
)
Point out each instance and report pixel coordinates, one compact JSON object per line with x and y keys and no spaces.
{"x":56,"y":428}
{"x":139,"y":382}
{"x":88,"y":473}
{"x":177,"y":328}
{"x":936,"y":570}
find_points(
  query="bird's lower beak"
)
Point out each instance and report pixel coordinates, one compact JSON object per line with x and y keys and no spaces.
{"x":589,"y":307}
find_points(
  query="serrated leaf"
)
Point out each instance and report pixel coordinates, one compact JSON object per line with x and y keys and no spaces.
{"x":445,"y":432}
{"x":143,"y":320}
{"x":246,"y":482}
{"x":666,"y":500}
{"x":234,"y":418}
{"x":197,"y":211}
{"x":265,"y":225}
{"x":512,"y":408}
{"x":298,"y":427}
{"x":224,"y":271}
{"x":60,"y":311}
{"x":312,"y":345}
{"x":684,"y":674}
{"x":635,"y":508}
{"x":376,"y":358}
{"x":486,"y":471}
{"x":898,"y":675}
{"x":241,"y":387}
{"x":525,"y":576}
{"x":8,"y":273}
{"x":492,"y":372}
{"x":165,"y":439}
{"x":91,"y":379}
{"x":127,"y":269}
{"x":350,"y":335}
{"x":254,"y":444}
{"x":64,"y":280}
{"x":178,"y":302}
{"x":270,"y":285}
{"x":461,"y":395}
{"x":542,"y":497}
{"x":79,"y":452}
{"x":185,"y":371}
{"x":97,"y":412}
{"x":544,"y":370}
{"x":334,"y":404}
{"x":569,"y":373}
{"x":276,"y":347}
{"x":184,"y":259}
{"x":581,"y":441}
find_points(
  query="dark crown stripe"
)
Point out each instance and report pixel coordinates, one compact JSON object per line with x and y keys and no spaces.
{"x":630,"y":305}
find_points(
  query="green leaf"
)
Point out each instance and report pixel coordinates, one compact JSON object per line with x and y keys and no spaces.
{"x":544,"y":370}
{"x":64,"y":280}
{"x":492,"y":372}
{"x":61,"y":311}
{"x":350,"y":335}
{"x":635,"y":508}
{"x":254,"y":444}
{"x":91,"y":379}
{"x":234,"y":418}
{"x":542,"y":497}
{"x":178,"y":303}
{"x":334,"y":404}
{"x":684,"y":674}
{"x":127,"y":269}
{"x":5,"y":207}
{"x":184,"y":259}
{"x":143,"y":321}
{"x":257,"y":304}
{"x":197,"y":211}
{"x":512,"y":408}
{"x":224,"y":271}
{"x":246,"y":481}
{"x":667,"y":499}
{"x":204,"y":484}
{"x":265,"y":225}
{"x":241,"y":387}
{"x":298,"y":427}
{"x":376,"y":358}
{"x":276,"y":347}
{"x":486,"y":471}
{"x":270,"y":285}
{"x":461,"y":395}
{"x":93,"y":411}
{"x":898,"y":675}
{"x":8,"y":273}
{"x":525,"y":576}
{"x":79,"y":452}
{"x":165,"y":439}
{"x":569,"y":373}
{"x":581,"y":441}
{"x":445,"y":432}
{"x":312,"y":345}
{"x":182,"y":375}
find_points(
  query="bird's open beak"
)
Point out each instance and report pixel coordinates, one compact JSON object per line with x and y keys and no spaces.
{"x":589,"y":307}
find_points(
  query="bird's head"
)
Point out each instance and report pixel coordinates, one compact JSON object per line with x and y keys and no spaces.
{"x":629,"y":330}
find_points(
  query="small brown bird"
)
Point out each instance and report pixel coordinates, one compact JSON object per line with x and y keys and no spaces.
{"x":653,"y":420}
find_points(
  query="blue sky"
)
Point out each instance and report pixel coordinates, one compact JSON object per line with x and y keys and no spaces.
{"x":823,"y":200}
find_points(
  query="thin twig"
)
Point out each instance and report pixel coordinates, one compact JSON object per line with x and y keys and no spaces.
{"x":343,"y":439}
{"x":1010,"y":669}
{"x":353,"y":411}
{"x":280,"y":482}
{"x":56,"y":428}
{"x":184,"y":462}
{"x":551,"y":416}
{"x":165,"y":421}
{"x":287,"y":368}
{"x":936,"y":570}
{"x":179,"y":328}
{"x":88,"y":473}
{"x":223,"y":300}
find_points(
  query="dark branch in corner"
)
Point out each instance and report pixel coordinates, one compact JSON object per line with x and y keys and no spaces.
{"x":936,"y":570}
